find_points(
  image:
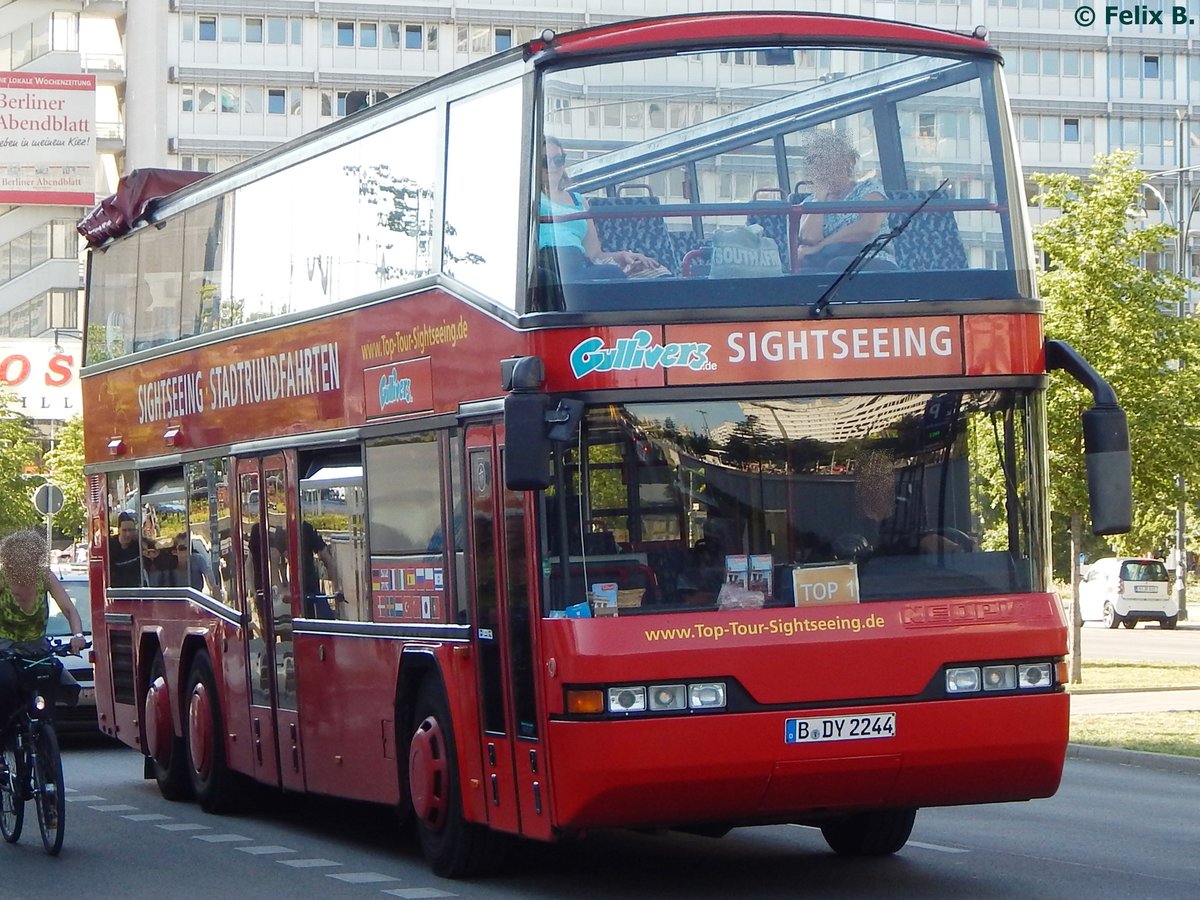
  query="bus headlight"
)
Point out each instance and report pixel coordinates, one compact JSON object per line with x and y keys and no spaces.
{"x":962,"y":681}
{"x":999,"y":678}
{"x":1033,"y":675}
{"x":668,"y":696}
{"x":706,"y":695}
{"x":627,"y":699}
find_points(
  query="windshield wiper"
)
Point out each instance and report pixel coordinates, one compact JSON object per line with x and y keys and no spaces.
{"x":866,"y":254}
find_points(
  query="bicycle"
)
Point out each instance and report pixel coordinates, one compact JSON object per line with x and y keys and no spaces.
{"x":30,"y":762}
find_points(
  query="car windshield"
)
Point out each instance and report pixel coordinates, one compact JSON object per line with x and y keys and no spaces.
{"x":1144,"y":570}
{"x":726,"y":165}
{"x":77,"y":590}
{"x":709,"y":504}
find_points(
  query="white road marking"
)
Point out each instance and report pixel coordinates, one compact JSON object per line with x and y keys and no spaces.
{"x":938,"y":847}
{"x":307,"y":863}
{"x":362,"y":877}
{"x":419,"y":893}
{"x":261,"y":850}
{"x":148,"y":817}
{"x":221,"y":838}
{"x":184,"y":826}
{"x":86,"y":798}
{"x":113,"y":807}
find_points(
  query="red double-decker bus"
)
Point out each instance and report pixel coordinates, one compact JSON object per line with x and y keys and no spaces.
{"x":642,"y":428}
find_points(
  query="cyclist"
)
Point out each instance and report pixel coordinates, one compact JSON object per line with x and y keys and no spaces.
{"x":25,"y":579}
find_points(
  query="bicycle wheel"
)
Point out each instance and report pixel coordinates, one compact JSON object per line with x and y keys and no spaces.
{"x":48,"y":790}
{"x":12,"y":797}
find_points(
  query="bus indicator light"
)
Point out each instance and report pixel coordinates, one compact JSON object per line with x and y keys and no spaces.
{"x":668,"y":696}
{"x":585,"y":702}
{"x":707,"y":696}
{"x":962,"y":681}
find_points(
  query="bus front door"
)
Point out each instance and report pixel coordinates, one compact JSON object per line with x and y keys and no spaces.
{"x":513,"y":768}
{"x":267,"y":508}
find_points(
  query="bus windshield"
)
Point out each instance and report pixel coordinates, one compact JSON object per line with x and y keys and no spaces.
{"x":679,"y":506}
{"x":668,"y":182}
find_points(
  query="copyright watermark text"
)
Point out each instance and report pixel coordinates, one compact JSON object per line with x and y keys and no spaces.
{"x":1086,"y":16}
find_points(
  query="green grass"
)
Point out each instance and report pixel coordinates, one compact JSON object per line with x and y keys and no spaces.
{"x":1166,"y":732}
{"x":1107,"y":675}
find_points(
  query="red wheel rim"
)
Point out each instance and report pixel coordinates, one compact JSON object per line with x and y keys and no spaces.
{"x":158,"y":722}
{"x":200,"y":730}
{"x":428,"y":774}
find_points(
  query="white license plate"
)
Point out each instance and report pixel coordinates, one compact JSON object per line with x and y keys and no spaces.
{"x":1145,"y":589}
{"x":840,"y":728}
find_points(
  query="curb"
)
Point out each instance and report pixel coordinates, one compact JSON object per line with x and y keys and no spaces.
{"x":1162,"y":762}
{"x":1080,"y":692}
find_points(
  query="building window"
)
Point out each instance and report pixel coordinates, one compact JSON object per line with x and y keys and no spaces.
{"x":926,"y":125}
{"x":208,"y":28}
{"x":504,"y":39}
{"x":231,"y":29}
{"x":368,"y":35}
{"x":276,"y":30}
{"x":412,"y":37}
{"x":187,"y":98}
{"x":1150,"y":67}
{"x":298,"y":32}
{"x":275,"y":102}
{"x":345,"y":34}
{"x":254,"y":31}
{"x":431,"y":37}
{"x":231,"y":100}
{"x":1071,"y":130}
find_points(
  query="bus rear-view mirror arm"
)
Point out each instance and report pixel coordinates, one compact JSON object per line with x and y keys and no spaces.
{"x":1105,"y":443}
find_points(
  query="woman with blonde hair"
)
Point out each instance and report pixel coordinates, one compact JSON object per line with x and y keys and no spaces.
{"x":25,"y":579}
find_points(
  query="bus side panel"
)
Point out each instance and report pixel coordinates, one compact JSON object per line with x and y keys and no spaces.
{"x":462,"y":690}
{"x":346,"y":687}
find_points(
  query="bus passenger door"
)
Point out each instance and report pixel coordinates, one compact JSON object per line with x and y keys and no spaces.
{"x":269,"y":585}
{"x":513,"y":783}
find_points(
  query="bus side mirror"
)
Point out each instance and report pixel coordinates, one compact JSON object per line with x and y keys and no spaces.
{"x":1105,"y":444}
{"x":1109,"y":470}
{"x":527,"y":444}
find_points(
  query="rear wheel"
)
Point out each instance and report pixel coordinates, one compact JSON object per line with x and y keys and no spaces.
{"x":212,"y":782}
{"x":877,"y":833}
{"x":1111,"y":619}
{"x":165,"y":750}
{"x":1169,"y":622}
{"x":12,"y":790}
{"x":49,"y":792}
{"x":454,"y":847}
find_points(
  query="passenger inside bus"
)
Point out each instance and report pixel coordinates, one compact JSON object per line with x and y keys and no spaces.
{"x":831,"y":240}
{"x":577,"y":255}
{"x":124,"y":553}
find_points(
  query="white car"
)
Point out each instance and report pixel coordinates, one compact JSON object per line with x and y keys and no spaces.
{"x":82,"y":716}
{"x":1125,"y":590}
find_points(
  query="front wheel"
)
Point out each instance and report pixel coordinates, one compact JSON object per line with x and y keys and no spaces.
{"x":454,"y":847}
{"x":212,"y":781}
{"x":12,"y":789}
{"x":877,"y":833}
{"x":49,"y":792}
{"x":1111,"y":619}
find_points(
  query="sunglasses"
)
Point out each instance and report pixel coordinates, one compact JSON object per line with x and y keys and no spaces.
{"x":558,"y":159}
{"x":180,"y":547}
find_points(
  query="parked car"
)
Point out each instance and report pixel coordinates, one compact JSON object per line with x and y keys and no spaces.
{"x":82,"y":716}
{"x":1123,"y":590}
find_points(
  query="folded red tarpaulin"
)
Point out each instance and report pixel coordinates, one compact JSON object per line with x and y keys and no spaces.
{"x":135,"y":197}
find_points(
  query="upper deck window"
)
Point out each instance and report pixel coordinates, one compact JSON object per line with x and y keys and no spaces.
{"x":782,"y":165}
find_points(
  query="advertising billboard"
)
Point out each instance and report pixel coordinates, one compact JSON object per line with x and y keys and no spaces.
{"x":47,"y":138}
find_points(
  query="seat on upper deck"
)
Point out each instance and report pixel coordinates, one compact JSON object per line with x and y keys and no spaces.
{"x":647,"y":235}
{"x":931,"y":240}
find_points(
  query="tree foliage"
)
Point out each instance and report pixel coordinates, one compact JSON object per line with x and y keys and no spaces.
{"x":1121,"y":316}
{"x":64,"y":464}
{"x":19,"y":454}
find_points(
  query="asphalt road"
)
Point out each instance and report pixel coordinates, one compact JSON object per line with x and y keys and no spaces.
{"x":1145,"y":643}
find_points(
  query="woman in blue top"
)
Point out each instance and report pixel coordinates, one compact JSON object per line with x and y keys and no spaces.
{"x":575,"y":242}
{"x":832,"y":239}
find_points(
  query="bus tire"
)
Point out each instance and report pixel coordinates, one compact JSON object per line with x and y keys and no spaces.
{"x":454,"y":847}
{"x":211,"y":780}
{"x":876,"y":833}
{"x":166,"y":752}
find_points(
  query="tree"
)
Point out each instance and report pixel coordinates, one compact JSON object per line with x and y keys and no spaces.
{"x":1102,"y":300}
{"x":18,"y":456}
{"x":64,"y":464}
